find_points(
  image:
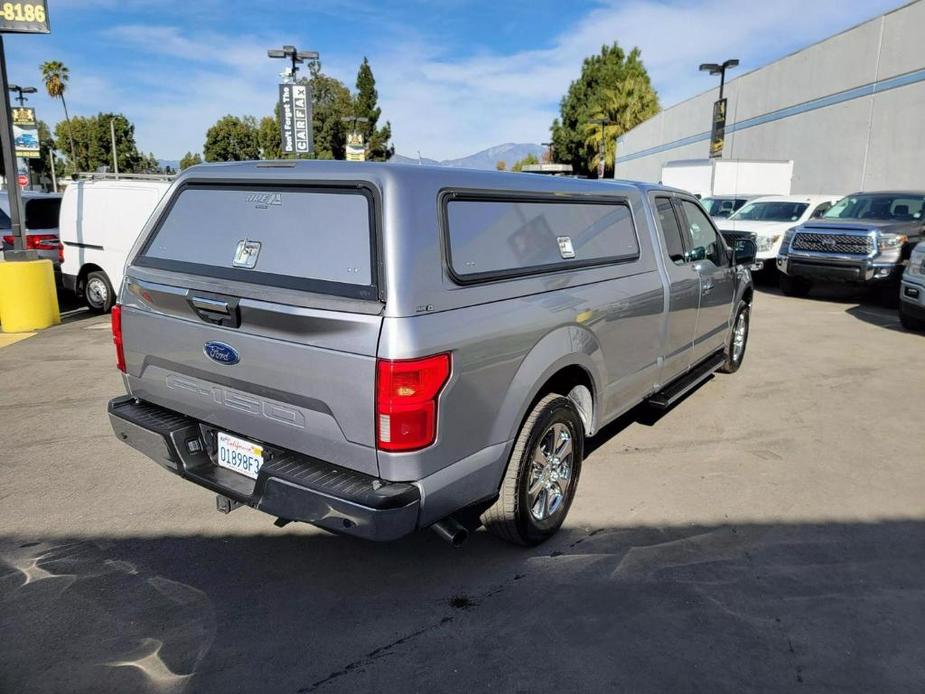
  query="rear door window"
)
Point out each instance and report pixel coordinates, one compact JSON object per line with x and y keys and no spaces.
{"x":313,"y":239}
{"x":493,"y":237}
{"x":671,"y":230}
{"x":42,"y":213}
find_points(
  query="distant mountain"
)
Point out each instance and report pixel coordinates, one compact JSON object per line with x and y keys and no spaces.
{"x":172,"y":163}
{"x":399,"y":159}
{"x":486,"y":159}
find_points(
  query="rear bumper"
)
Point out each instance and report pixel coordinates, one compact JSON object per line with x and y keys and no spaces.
{"x":289,"y":486}
{"x":861,"y":270}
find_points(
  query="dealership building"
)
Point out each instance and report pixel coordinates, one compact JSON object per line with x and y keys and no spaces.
{"x":849,"y":111}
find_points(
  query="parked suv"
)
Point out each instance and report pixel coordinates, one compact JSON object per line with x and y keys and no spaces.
{"x":864,"y":238}
{"x":912,"y":291}
{"x":377,"y":348}
{"x":770,"y":217}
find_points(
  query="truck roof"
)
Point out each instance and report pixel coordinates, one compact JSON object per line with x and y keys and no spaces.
{"x":388,"y":174}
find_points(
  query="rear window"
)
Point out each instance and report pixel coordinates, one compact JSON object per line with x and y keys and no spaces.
{"x":312,"y":239}
{"x":42,"y":213}
{"x":494,"y":238}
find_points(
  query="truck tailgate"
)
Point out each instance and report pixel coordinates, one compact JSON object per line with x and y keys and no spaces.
{"x":305,"y":378}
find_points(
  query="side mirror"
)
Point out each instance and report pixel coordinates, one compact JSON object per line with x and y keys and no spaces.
{"x":744,"y":252}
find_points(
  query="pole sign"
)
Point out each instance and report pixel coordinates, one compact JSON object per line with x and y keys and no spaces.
{"x":24,"y":17}
{"x":718,"y":134}
{"x":25,"y":133}
{"x":356,"y":148}
{"x":295,"y":118}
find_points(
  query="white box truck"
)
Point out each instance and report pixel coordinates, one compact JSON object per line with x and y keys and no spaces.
{"x":729,"y":177}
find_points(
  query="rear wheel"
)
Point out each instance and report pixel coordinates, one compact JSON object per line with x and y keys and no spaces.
{"x":98,"y":292}
{"x":794,"y":286}
{"x":542,"y":474}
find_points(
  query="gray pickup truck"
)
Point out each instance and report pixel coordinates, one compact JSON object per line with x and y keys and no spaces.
{"x":376,"y":348}
{"x":862,"y":239}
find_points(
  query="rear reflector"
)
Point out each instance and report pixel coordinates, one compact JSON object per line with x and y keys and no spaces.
{"x":406,"y":401}
{"x":117,"y":337}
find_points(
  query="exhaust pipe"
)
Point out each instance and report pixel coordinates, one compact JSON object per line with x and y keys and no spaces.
{"x":452,"y":531}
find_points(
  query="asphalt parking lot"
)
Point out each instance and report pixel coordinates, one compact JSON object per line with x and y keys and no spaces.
{"x":767,"y":534}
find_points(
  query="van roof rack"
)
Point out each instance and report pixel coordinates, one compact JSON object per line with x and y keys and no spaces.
{"x":106,"y":176}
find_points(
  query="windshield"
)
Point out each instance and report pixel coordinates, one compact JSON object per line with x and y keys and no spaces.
{"x":776,"y":211}
{"x":883,"y":206}
{"x":721,"y":207}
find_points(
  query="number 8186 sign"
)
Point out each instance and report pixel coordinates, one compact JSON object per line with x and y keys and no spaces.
{"x":24,"y":17}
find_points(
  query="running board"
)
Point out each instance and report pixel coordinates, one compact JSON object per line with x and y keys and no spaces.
{"x":681,"y":386}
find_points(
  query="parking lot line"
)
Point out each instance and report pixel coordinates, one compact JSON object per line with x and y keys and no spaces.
{"x":7,"y":339}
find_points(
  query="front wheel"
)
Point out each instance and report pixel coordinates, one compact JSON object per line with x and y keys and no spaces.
{"x":738,"y":340}
{"x":542,"y":474}
{"x":98,"y":292}
{"x":910,"y":322}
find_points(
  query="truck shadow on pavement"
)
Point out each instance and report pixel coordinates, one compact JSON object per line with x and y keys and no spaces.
{"x":835,"y":606}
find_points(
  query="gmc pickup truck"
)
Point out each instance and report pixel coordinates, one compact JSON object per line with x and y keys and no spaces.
{"x":864,"y":238}
{"x":380,"y":348}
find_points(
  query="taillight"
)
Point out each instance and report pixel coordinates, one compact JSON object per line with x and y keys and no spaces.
{"x":40,"y":242}
{"x":406,"y":401}
{"x":117,"y":337}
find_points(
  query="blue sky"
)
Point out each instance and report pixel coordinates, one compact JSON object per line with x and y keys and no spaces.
{"x":454,"y":77}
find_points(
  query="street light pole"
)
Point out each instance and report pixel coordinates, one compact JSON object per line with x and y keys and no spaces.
{"x":20,"y":91}
{"x":600,"y":157}
{"x":720,"y":69}
{"x":550,"y":154}
{"x":295,"y":56}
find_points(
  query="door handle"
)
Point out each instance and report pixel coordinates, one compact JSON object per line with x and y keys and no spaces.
{"x":212,"y":305}
{"x":707,"y":287}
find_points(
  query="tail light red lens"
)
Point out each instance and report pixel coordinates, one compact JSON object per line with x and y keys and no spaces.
{"x":117,"y":337}
{"x":406,"y":401}
{"x":40,"y":242}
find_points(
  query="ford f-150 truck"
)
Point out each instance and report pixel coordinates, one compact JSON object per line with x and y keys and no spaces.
{"x":864,"y":238}
{"x":376,"y":348}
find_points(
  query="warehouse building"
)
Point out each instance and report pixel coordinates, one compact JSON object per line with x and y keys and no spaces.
{"x":849,"y":111}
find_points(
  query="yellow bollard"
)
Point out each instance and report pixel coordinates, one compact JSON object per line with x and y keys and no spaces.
{"x":28,"y":300}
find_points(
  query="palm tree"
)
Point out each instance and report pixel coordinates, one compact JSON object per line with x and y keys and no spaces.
{"x":626,"y":105}
{"x":55,"y":74}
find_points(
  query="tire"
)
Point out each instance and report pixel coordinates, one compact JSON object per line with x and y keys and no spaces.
{"x":98,"y":293}
{"x":910,"y":322}
{"x":525,"y":519}
{"x":735,"y":351}
{"x":794,"y":286}
{"x":888,"y":295}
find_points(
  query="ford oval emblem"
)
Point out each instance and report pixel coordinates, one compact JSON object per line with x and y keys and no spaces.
{"x":221,"y":353}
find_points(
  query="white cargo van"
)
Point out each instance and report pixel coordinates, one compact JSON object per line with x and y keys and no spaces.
{"x":100,"y":220}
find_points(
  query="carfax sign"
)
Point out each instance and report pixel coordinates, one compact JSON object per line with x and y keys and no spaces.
{"x":295,"y":118}
{"x":25,"y":133}
{"x":24,"y":17}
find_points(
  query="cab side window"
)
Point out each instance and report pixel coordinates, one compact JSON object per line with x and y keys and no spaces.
{"x":670,"y":230}
{"x":705,"y":244}
{"x":821,"y":210}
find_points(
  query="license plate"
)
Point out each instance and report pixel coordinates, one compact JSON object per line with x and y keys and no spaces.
{"x":239,"y":455}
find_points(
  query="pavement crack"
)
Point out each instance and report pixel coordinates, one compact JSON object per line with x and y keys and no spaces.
{"x":374,"y":655}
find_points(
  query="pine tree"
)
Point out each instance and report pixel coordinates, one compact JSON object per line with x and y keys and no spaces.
{"x":365,"y":105}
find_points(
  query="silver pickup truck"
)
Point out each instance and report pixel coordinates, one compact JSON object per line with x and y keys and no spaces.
{"x":376,"y":348}
{"x":862,"y":239}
